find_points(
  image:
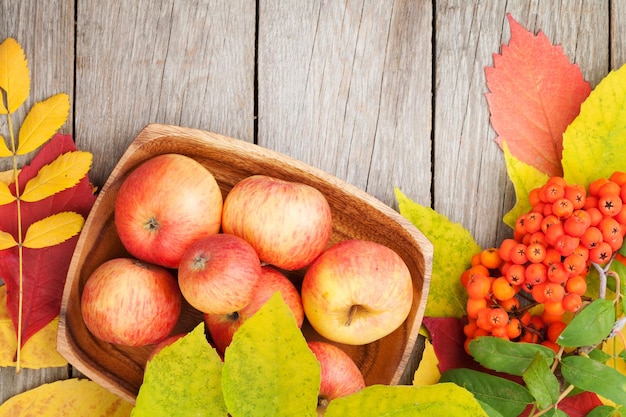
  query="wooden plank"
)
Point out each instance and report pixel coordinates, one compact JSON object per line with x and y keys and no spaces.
{"x":618,"y":34}
{"x":46,"y":33}
{"x":470,"y":180}
{"x":188,"y":63}
{"x":345,"y":86}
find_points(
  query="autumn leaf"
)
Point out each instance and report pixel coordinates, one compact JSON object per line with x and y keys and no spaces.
{"x":52,"y":230}
{"x":535,"y":93}
{"x":183,"y":379}
{"x":42,"y":121}
{"x":46,"y":268}
{"x":71,"y":397}
{"x":594,"y":145}
{"x":63,"y":173}
{"x":7,"y":241}
{"x":8,"y":177}
{"x":427,"y":372}
{"x":4,"y":150}
{"x":5,"y":194}
{"x":40,"y":350}
{"x":524,"y":178}
{"x":455,"y":247}
{"x":14,"y":75}
{"x":268,"y":368}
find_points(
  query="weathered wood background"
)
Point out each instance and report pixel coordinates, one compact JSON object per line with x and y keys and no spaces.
{"x":382,"y":94}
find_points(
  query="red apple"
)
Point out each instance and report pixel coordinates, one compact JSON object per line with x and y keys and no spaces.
{"x":223,"y":326}
{"x":288,"y":223}
{"x":129,"y":302}
{"x":357,"y":292}
{"x":217,"y":274}
{"x":165,"y":205}
{"x":340,"y":375}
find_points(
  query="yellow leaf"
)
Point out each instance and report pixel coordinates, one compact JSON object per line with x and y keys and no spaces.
{"x":43,"y":120}
{"x":71,"y":397}
{"x":4,"y":150}
{"x":6,"y":240}
{"x":5,"y":194}
{"x":53,"y":230}
{"x":14,"y":77}
{"x":62,"y":173}
{"x":594,"y":144}
{"x":524,"y":178}
{"x":8,"y":177}
{"x":427,"y":372}
{"x":38,"y":352}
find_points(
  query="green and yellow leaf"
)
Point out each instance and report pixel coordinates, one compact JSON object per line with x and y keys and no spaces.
{"x":183,"y":379}
{"x":53,"y":230}
{"x":6,"y":240}
{"x":62,"y":173}
{"x":72,"y":397}
{"x":594,"y":144}
{"x":14,"y":76}
{"x":4,"y":150}
{"x":445,"y":399}
{"x":43,"y":120}
{"x":524,"y":178}
{"x":454,"y":248}
{"x":6,"y":196}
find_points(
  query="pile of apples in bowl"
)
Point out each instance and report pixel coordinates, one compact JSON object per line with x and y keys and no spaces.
{"x":196,"y":227}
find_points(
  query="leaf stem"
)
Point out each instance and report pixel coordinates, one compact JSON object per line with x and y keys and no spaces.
{"x":20,"y":253}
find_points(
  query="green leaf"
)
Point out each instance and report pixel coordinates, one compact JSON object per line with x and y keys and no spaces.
{"x":183,"y":379}
{"x":506,"y":397}
{"x":454,"y":247}
{"x":45,"y":118}
{"x":64,"y":172}
{"x":268,"y":368}
{"x":491,"y":412}
{"x":407,"y":401}
{"x":524,"y":178}
{"x":589,"y":375}
{"x":594,"y":144}
{"x":541,"y":382}
{"x":590,"y":326}
{"x":604,"y":411}
{"x":506,"y":356}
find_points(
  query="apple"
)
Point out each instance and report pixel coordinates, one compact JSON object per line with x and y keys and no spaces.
{"x":217,"y":274}
{"x":222,"y":327}
{"x":165,"y":205}
{"x":129,"y":302}
{"x":339,"y":374}
{"x":357,"y":292}
{"x":288,"y":223}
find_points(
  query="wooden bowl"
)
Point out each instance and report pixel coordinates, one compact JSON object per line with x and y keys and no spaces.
{"x":355,"y":215}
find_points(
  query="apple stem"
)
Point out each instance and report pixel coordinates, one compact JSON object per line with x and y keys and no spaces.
{"x":152,"y":224}
{"x":352,"y":314}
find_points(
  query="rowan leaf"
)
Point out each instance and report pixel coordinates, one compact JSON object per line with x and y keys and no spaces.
{"x":43,"y":120}
{"x":268,"y":368}
{"x":446,"y":399}
{"x":52,"y":230}
{"x":71,"y":397}
{"x":535,"y":93}
{"x":7,"y":240}
{"x":8,"y":177}
{"x":454,"y":248}
{"x":6,"y":196}
{"x":594,"y":144}
{"x":183,"y":379}
{"x":40,"y":350}
{"x":63,"y":173}
{"x":14,"y":75}
{"x":524,"y":178}
{"x":4,"y":150}
{"x":44,"y":268}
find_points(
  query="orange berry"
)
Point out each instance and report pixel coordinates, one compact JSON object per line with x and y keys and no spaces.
{"x":535,"y":274}
{"x":479,"y":286}
{"x":536,"y":322}
{"x":608,"y":188}
{"x":512,"y":304}
{"x":565,"y":244}
{"x":557,"y":273}
{"x":501,"y":289}
{"x":577,"y":223}
{"x":609,"y":204}
{"x":553,"y":191}
{"x":553,"y":292}
{"x":594,"y":186}
{"x":574,"y":264}
{"x":529,"y":337}
{"x":500,"y":332}
{"x":548,"y":221}
{"x":518,"y":254}
{"x":610,"y":228}
{"x":554,"y":330}
{"x":474,"y":305}
{"x":525,"y":318}
{"x":514,"y":328}
{"x":551,"y":345}
{"x":465,"y":277}
{"x":562,"y":208}
{"x":483,"y":319}
{"x":534,"y":196}
{"x":532,"y":222}
{"x":576,"y":285}
{"x":515,"y":274}
{"x":576,"y":193}
{"x":548,"y":319}
{"x":490,"y":258}
{"x":601,"y":253}
{"x":478,"y":270}
{"x":552,"y":256}
{"x":618,"y":177}
{"x":535,"y":252}
{"x":591,"y":237}
{"x":498,"y":317}
{"x":615,"y":243}
{"x":594,"y":215}
{"x":505,"y":249}
{"x":470,"y":328}
{"x":475,"y":259}
{"x":538,"y":237}
{"x":554,"y":232}
{"x":555,"y":308}
{"x":572,"y":302}
{"x":538,"y":293}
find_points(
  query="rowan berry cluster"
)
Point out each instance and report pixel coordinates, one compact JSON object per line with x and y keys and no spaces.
{"x":546,"y":261}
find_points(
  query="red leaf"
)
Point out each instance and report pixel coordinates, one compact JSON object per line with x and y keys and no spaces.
{"x":535,"y":93}
{"x":44,"y":270}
